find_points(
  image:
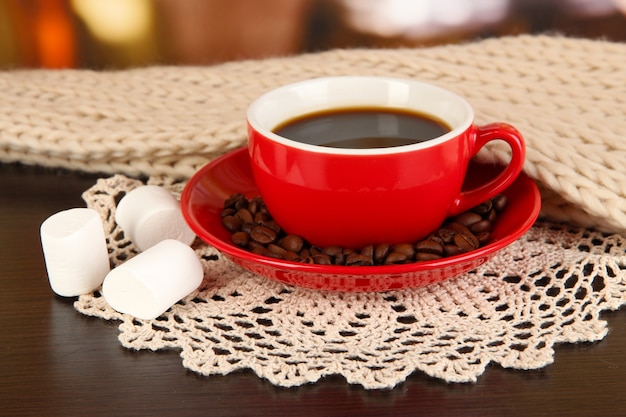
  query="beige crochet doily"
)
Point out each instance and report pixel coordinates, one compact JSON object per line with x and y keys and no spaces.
{"x":548,"y":287}
{"x":567,"y":97}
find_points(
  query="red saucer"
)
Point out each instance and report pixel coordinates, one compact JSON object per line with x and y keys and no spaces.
{"x":203,"y":198}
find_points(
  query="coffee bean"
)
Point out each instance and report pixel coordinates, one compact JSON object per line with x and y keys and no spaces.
{"x":315,"y":250}
{"x":333,"y":251}
{"x":357,"y":259}
{"x":263,"y":234}
{"x":349,"y":251}
{"x":446,"y":234}
{"x":480,"y":226}
{"x":483,"y":237}
{"x":435,"y":238}
{"x":452,"y":250}
{"x":499,"y":202}
{"x":255,"y":205}
{"x":253,"y":245}
{"x":340,"y":259}
{"x":278,"y":250}
{"x":322,"y":259}
{"x":459,"y":228}
{"x":483,"y":208}
{"x":405,"y":248}
{"x":240,"y":239}
{"x":261,"y":217}
{"x":368,"y":251}
{"x":292,"y":256}
{"x":263,"y":251}
{"x":305,"y":256}
{"x":244,"y":215}
{"x":231,"y":223}
{"x":380,"y":252}
{"x":467,"y":242}
{"x":425,"y":256}
{"x":253,"y":228}
{"x":337,"y":253}
{"x":467,"y":218}
{"x":236,"y":201}
{"x":395,"y":258}
{"x":429,"y":246}
{"x":270,"y":224}
{"x":247,"y":227}
{"x":228,"y":212}
{"x":292,"y":243}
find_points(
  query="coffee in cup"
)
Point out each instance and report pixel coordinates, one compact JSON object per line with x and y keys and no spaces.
{"x":362,"y":128}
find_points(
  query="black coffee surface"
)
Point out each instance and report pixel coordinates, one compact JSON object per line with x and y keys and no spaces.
{"x":360,"y":128}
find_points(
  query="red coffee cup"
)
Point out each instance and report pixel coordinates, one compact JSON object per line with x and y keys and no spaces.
{"x":356,"y":197}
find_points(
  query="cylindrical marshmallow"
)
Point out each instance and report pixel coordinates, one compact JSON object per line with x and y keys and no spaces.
{"x":150,"y":214}
{"x":75,"y":251}
{"x":154,"y":280}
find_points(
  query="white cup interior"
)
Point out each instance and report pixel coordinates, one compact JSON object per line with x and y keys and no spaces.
{"x":290,"y":101}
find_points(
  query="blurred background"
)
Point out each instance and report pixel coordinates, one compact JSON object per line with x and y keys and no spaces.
{"x":117,"y":34}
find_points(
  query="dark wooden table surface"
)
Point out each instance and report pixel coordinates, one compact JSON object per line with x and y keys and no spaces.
{"x":57,"y":362}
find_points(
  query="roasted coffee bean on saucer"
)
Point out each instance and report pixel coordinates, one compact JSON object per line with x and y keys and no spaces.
{"x":253,"y":228}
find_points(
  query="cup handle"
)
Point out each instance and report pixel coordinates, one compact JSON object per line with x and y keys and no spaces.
{"x":493,"y":131}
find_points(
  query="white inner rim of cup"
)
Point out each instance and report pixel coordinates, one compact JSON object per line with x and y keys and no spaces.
{"x":290,"y":101}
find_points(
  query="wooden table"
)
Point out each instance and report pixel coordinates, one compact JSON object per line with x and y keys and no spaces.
{"x":57,"y":362}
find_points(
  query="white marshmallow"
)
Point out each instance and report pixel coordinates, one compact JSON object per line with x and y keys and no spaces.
{"x":150,"y":214}
{"x":75,"y":251}
{"x":154,"y":280}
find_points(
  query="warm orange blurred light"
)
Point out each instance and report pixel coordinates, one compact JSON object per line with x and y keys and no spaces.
{"x":54,"y":34}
